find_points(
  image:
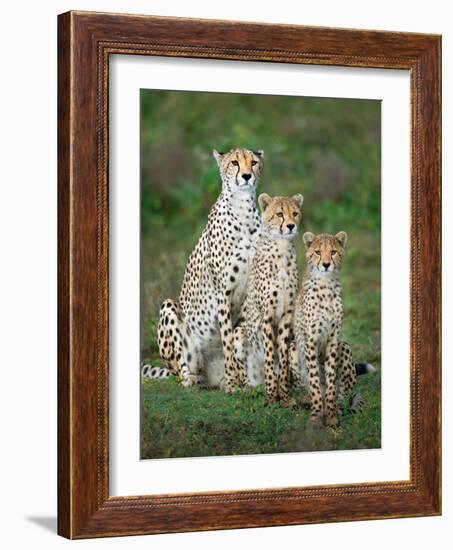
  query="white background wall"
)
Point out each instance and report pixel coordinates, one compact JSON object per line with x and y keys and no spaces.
{"x":28,"y":125}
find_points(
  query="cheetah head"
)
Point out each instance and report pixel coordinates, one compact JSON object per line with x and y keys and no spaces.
{"x":240,"y":169}
{"x":281,"y":215}
{"x":324,"y":253}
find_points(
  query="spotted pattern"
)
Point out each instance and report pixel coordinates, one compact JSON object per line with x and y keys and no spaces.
{"x":327,"y":362}
{"x":151,"y":371}
{"x":196,"y":333}
{"x":347,"y":371}
{"x":261,"y":339}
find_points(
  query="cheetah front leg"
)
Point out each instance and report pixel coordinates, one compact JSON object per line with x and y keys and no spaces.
{"x":270,"y":378}
{"x":330,"y":370}
{"x":240,"y":348}
{"x":296,"y":380}
{"x":297,"y":372}
{"x":234,"y":375}
{"x":314,"y":383}
{"x":283,"y":340}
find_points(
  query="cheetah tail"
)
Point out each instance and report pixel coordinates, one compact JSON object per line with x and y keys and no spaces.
{"x":152,"y":371}
{"x":364,"y":368}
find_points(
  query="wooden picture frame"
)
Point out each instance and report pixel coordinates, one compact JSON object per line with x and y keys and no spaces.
{"x":85,"y":42}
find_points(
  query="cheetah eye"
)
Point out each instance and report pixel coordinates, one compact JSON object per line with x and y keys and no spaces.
{"x":280,"y":214}
{"x":235,"y":162}
{"x":318,"y":252}
{"x":295,"y":214}
{"x":334,"y":252}
{"x":254,"y":162}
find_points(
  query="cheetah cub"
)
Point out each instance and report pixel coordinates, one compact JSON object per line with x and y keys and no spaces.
{"x":265,"y":328}
{"x":318,"y":320}
{"x":317,"y":324}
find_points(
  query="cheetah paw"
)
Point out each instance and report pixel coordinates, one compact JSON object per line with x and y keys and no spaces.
{"x":335,"y":431}
{"x":332,"y":421}
{"x":272,"y":398}
{"x":288,"y":402}
{"x":316,"y":421}
{"x":231,"y":388}
{"x":197,"y":380}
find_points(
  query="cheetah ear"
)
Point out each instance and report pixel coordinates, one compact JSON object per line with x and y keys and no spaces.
{"x":308,"y":238}
{"x":218,"y":156}
{"x":298,"y":199}
{"x":342,"y":238}
{"x":259,"y":153}
{"x":263,"y":200}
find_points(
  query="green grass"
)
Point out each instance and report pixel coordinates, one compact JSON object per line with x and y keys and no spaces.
{"x":328,"y":149}
{"x":183,"y":422}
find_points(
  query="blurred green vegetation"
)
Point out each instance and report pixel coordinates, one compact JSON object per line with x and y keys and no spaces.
{"x":327,"y":149}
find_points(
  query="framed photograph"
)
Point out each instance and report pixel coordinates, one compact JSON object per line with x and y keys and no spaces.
{"x":249,"y":275}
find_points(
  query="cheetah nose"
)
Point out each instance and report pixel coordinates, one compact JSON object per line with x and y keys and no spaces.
{"x":246,"y":176}
{"x":290,"y":226}
{"x":326,"y":265}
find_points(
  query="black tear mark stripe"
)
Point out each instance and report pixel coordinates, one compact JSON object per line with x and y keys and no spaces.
{"x":237,"y":173}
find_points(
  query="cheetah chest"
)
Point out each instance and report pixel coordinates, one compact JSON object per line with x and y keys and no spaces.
{"x":238,"y":273}
{"x":243,"y":246}
{"x":283,"y":286}
{"x":323,"y":313}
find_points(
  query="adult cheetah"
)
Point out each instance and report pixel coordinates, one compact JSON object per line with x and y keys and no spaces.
{"x":195,"y":335}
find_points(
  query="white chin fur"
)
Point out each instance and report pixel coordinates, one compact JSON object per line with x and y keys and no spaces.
{"x":286,"y":236}
{"x":324,"y":273}
{"x":246,"y":187}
